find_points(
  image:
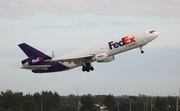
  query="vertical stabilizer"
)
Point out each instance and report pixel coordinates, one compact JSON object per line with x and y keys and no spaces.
{"x":32,"y":53}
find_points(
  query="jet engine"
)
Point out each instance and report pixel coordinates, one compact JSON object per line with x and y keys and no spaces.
{"x":103,"y":57}
{"x":50,"y":54}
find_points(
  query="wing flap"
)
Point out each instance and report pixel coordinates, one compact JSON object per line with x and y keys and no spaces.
{"x":74,"y":59}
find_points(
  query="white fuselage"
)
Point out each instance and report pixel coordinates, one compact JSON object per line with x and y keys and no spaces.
{"x":114,"y":46}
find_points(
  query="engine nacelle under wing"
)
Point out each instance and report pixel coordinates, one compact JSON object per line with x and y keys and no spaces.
{"x":103,"y":57}
{"x":109,"y":59}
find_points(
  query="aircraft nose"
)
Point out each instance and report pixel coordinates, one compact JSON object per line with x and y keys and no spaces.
{"x":154,"y":34}
{"x":157,"y":34}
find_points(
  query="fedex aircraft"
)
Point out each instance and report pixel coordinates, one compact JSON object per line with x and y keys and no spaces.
{"x":40,"y":62}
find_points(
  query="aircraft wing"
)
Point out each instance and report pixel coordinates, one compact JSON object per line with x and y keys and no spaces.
{"x":76,"y":59}
{"x":36,"y":67}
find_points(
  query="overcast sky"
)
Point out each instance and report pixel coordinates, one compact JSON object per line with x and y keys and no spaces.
{"x":64,"y":26}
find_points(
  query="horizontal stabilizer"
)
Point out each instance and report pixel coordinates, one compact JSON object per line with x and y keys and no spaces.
{"x":36,"y":67}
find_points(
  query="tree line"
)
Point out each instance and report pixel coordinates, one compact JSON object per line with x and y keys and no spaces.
{"x":52,"y":101}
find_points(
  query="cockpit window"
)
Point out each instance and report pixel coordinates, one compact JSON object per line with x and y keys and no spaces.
{"x":152,"y":31}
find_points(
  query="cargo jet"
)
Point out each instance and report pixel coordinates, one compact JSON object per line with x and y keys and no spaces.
{"x":40,"y":62}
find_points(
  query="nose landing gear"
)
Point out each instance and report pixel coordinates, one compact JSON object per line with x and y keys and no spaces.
{"x":141,"y":50}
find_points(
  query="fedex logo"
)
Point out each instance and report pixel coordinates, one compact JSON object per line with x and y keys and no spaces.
{"x":37,"y":60}
{"x":99,"y":56}
{"x":125,"y":41}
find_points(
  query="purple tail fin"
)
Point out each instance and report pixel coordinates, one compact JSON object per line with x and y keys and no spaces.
{"x":32,"y":53}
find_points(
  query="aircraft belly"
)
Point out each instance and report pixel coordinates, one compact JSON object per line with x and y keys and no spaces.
{"x":70,"y":65}
{"x":55,"y":66}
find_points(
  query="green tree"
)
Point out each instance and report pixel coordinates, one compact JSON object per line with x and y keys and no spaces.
{"x":87,"y":102}
{"x":2,"y":109}
{"x":60,"y":107}
{"x":98,"y":99}
{"x":73,"y":100}
{"x":110,"y":102}
{"x":30,"y":105}
{"x":11,"y":100}
{"x":37,"y":99}
{"x":50,"y":100}
{"x":124,"y":104}
{"x":161,"y":104}
{"x":171,"y":103}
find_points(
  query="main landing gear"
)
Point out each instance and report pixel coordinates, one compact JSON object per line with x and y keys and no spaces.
{"x":86,"y":66}
{"x":141,"y":50}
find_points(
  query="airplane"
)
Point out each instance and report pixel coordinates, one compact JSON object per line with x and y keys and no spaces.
{"x":39,"y":62}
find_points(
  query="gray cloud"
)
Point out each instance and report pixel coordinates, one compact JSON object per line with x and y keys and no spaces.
{"x":20,"y":8}
{"x":52,"y":27}
{"x":79,"y":25}
{"x":122,"y":23}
